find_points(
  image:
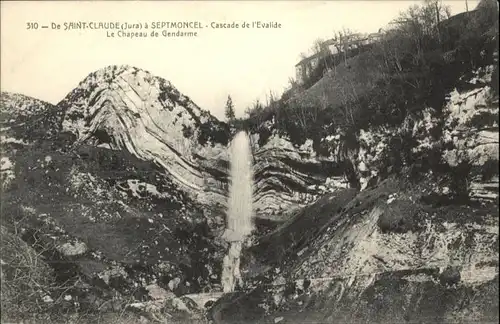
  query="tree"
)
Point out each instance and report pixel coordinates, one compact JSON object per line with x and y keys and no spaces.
{"x":256,"y":109}
{"x":317,"y":47}
{"x":321,"y":49}
{"x":229,"y":111}
{"x":343,"y":41}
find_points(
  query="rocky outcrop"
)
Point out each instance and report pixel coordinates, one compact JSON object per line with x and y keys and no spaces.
{"x":128,"y":108}
{"x":381,"y":256}
{"x":471,"y":134}
{"x":27,"y":120}
{"x":107,"y":215}
{"x":402,"y":296}
{"x":122,"y":107}
{"x":123,"y":186}
{"x":125,"y":108}
{"x":16,"y":106}
{"x":288,"y":177}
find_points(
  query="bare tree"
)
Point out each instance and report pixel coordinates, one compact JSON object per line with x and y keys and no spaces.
{"x":305,"y":115}
{"x":317,"y":46}
{"x":340,"y":41}
{"x":412,"y":35}
{"x":344,"y":39}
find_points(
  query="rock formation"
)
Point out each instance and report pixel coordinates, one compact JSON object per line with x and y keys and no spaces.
{"x":123,"y":185}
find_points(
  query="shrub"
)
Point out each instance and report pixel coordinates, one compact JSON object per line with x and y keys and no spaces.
{"x":398,"y":217}
{"x":26,"y":279}
{"x":484,"y":119}
{"x":187,"y":131}
{"x":450,"y":276}
{"x":412,"y":68}
{"x":213,"y":131}
{"x":460,"y":180}
{"x":494,"y":81}
{"x":489,"y":169}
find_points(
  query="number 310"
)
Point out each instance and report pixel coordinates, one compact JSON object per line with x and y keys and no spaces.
{"x":31,"y":25}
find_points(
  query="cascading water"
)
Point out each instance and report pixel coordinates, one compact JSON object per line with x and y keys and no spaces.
{"x":239,"y":212}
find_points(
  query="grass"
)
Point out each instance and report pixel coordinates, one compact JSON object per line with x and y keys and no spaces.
{"x":25,"y":278}
{"x":128,"y":231}
{"x":343,"y":78}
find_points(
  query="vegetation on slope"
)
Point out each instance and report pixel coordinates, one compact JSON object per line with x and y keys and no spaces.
{"x":75,"y":215}
{"x":379,"y":255}
{"x":412,"y":68}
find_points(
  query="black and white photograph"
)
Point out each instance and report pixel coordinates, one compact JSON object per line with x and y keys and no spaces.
{"x":248,"y":162}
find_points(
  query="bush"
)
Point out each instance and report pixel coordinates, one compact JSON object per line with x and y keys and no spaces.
{"x":489,"y":169}
{"x":214,"y":132}
{"x":494,"y":81}
{"x":412,"y":68}
{"x":26,"y":279}
{"x":398,"y":217}
{"x":460,"y":180}
{"x":450,"y":276}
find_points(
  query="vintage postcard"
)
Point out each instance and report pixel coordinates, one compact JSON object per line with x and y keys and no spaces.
{"x":249,"y":162}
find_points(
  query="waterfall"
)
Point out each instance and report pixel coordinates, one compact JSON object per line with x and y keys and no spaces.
{"x":239,"y":211}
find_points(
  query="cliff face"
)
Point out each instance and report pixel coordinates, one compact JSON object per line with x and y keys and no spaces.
{"x":120,"y":186}
{"x":289,"y":177}
{"x":464,"y":131}
{"x":382,"y":255}
{"x":123,"y":185}
{"x":386,"y":253}
{"x":124,"y":108}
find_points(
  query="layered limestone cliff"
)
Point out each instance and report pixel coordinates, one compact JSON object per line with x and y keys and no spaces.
{"x":122,"y":107}
{"x":386,"y":253}
{"x":381,"y":255}
{"x":123,"y":186}
{"x":130,"y":109}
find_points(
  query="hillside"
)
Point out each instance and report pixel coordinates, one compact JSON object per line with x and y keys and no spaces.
{"x":383,"y":255}
{"x":87,"y":194}
{"x":111,"y":219}
{"x":416,"y":247}
{"x":375,"y":193}
{"x":413,"y":123}
{"x":122,"y":185}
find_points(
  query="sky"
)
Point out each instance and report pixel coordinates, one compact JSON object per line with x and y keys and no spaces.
{"x":244,"y":63}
